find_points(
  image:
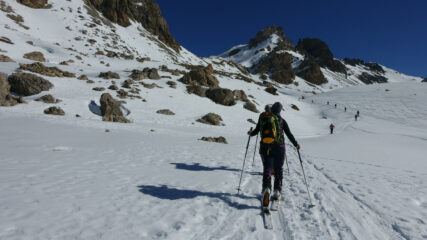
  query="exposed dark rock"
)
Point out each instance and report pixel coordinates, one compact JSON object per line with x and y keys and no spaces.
{"x":215,"y":139}
{"x":321,"y":54}
{"x":424,"y":80}
{"x":47,"y":99}
{"x":90,"y":81}
{"x":128,"y":83}
{"x":264,"y":34}
{"x":251,"y":121}
{"x":165,"y":112}
{"x":35,"y":56}
{"x":83,"y":77}
{"x":371,"y":65}
{"x":223,"y":96}
{"x":293,"y":106}
{"x":7,"y":99}
{"x":28,"y":84}
{"x":109,"y":75}
{"x":38,"y":67}
{"x":146,"y":12}
{"x":211,"y":119}
{"x":272,"y":90}
{"x":110,"y":109}
{"x":310,"y":71}
{"x":113,"y":87}
{"x":35,"y":3}
{"x":240,"y":95}
{"x":149,"y":86}
{"x":171,"y":84}
{"x":201,"y":76}
{"x":198,"y":90}
{"x":4,"y":58}
{"x":6,"y":40}
{"x":233,"y":52}
{"x":278,"y":65}
{"x":54,"y":111}
{"x":369,"y":79}
{"x":122,"y":93}
{"x":98,"y":89}
{"x":251,"y":107}
{"x":150,"y":73}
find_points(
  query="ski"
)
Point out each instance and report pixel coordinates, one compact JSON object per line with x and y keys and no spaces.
{"x":268,"y":222}
{"x":274,"y":205}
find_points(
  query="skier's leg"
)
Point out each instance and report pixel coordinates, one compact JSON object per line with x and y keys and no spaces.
{"x":267,"y":161}
{"x":279,"y":160}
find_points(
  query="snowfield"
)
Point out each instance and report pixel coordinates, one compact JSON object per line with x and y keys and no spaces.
{"x":69,"y":179}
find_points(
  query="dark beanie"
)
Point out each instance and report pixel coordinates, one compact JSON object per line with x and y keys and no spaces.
{"x":276,"y":108}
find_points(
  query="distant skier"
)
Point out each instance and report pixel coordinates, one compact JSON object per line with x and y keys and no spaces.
{"x":345,"y":109}
{"x":312,"y":101}
{"x":331,"y":127}
{"x":272,"y":149}
{"x":355,"y":117}
{"x":335,"y":105}
{"x":358,"y":113}
{"x":327,"y":102}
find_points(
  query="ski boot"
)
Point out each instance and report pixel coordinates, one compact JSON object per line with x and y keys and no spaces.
{"x":276,"y":195}
{"x":266,"y":198}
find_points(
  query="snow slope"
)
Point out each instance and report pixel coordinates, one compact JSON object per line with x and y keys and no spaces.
{"x":69,"y":179}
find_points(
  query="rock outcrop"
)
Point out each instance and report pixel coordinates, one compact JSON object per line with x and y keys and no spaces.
{"x":264,"y":34}
{"x":215,"y":139}
{"x":150,"y":73}
{"x":35,"y":56}
{"x":279,"y":65}
{"x":223,"y":96}
{"x":211,"y":119}
{"x":38,"y":67}
{"x":165,"y":112}
{"x":146,"y":12}
{"x":109,"y":75}
{"x":54,"y":111}
{"x":110,"y":109}
{"x":47,"y":99}
{"x":424,"y":80}
{"x":369,"y":79}
{"x":321,"y":54}
{"x":6,"y":99}
{"x":28,"y":84}
{"x":251,"y":107}
{"x":310,"y":71}
{"x":35,"y":3}
{"x":201,"y":76}
{"x":4,"y":58}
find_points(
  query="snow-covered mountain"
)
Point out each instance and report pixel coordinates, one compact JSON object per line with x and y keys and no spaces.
{"x":271,"y":55}
{"x":94,"y":62}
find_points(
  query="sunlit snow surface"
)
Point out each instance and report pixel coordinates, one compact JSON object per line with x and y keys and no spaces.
{"x":67,"y":178}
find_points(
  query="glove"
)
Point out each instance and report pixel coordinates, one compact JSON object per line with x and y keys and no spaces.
{"x":249,"y":132}
{"x":298,"y":147}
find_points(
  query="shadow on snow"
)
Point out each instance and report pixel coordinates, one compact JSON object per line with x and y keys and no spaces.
{"x":168,"y":193}
{"x":198,"y":167}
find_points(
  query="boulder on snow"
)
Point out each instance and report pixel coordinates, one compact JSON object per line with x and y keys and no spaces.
{"x":35,"y":56}
{"x":201,"y":76}
{"x":6,"y":99}
{"x":240,"y":95}
{"x":171,"y":84}
{"x":109,"y":75}
{"x":4,"y":58}
{"x":272,"y":90}
{"x":54,"y":111}
{"x":98,"y":89}
{"x":295,"y":107}
{"x":211,"y":119}
{"x":150,"y":73}
{"x":251,"y":107}
{"x":223,"y":96}
{"x":165,"y":112}
{"x":28,"y":84}
{"x":47,"y":99}
{"x":35,"y":3}
{"x":110,"y":109}
{"x":425,"y":80}
{"x":215,"y":139}
{"x":83,"y":77}
{"x":198,"y":90}
{"x":38,"y":67}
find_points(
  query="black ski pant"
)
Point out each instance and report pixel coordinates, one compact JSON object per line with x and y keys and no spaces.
{"x":273,"y":158}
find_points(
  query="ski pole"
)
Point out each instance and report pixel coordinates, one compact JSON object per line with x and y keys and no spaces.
{"x":256,"y":142}
{"x":244,"y":159}
{"x":286,"y":159}
{"x":305,"y":180}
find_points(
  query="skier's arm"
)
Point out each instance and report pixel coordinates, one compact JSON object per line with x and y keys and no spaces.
{"x":256,"y":130}
{"x":288,"y":133}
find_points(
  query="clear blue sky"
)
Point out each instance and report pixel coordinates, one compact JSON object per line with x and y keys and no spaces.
{"x":393,"y":33}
